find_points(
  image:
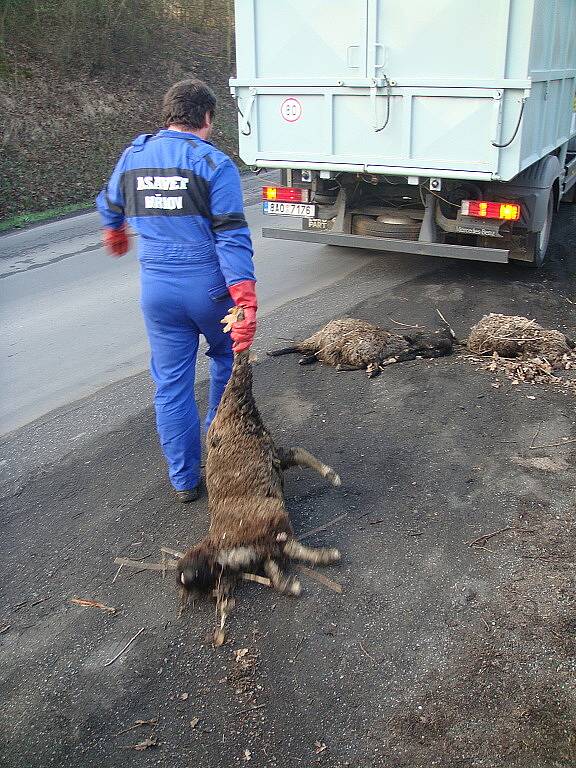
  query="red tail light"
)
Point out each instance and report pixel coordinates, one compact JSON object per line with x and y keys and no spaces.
{"x":483,"y":209}
{"x":285,"y":194}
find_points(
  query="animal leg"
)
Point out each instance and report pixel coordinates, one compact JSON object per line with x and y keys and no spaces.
{"x":316,"y":556}
{"x":224,"y":607}
{"x":300,"y":457}
{"x":373,"y":370}
{"x":308,"y":360}
{"x":287,"y":585}
{"x":283,"y":351}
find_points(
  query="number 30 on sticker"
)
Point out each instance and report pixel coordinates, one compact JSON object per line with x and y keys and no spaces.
{"x":291,"y":110}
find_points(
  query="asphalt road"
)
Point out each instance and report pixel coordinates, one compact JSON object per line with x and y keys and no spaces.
{"x":435,"y":653}
{"x":70,"y":322}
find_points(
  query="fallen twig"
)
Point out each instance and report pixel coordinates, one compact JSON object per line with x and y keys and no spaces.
{"x":553,"y":445}
{"x":117,"y":573}
{"x":366,"y":652}
{"x":249,"y":709}
{"x":5,"y":628}
{"x":173,"y":552}
{"x":535,"y":436}
{"x":547,"y":558}
{"x":41,"y":600}
{"x":170,"y":564}
{"x":91,"y":604}
{"x":128,"y":644}
{"x":404,"y":325}
{"x":333,"y":585}
{"x":138,"y":724}
{"x":486,"y":536}
{"x":307,"y":534}
{"x":258,"y":579}
{"x":452,"y":333}
{"x":299,"y":645}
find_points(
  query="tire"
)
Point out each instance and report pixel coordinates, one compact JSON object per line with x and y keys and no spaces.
{"x":537,"y":242}
{"x":366,"y":225}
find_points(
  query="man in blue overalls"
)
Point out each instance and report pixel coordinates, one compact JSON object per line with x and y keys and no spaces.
{"x":183,"y":197}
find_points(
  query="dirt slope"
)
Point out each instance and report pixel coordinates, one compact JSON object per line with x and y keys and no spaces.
{"x":62,"y":131}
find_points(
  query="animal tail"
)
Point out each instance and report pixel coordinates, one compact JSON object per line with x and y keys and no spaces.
{"x":283,"y":351}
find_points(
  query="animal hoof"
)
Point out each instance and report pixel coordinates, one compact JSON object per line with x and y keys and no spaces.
{"x":334,"y":555}
{"x":334,"y":478}
{"x":372,"y":370}
{"x":295,"y":588}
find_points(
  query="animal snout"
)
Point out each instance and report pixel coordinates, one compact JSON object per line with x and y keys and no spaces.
{"x":195,"y":573}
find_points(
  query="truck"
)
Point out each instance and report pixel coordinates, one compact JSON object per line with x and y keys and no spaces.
{"x":443,"y":128}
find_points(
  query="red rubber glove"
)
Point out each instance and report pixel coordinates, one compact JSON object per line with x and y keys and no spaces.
{"x":242,"y":332}
{"x":116,"y":240}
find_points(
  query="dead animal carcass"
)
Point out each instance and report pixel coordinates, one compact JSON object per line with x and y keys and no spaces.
{"x":514,"y":336}
{"x":249,"y":524}
{"x":349,"y":344}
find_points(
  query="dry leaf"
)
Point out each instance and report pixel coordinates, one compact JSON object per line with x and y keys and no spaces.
{"x":240,"y":653}
{"x":92,"y":604}
{"x":151,"y":741}
{"x":247,"y":755}
{"x":319,"y":747}
{"x":194,"y":722}
{"x":235,"y":314}
{"x":183,"y":696}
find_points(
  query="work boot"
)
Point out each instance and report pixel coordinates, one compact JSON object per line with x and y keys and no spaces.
{"x":185,"y":497}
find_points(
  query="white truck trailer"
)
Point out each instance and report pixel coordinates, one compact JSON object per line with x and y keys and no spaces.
{"x":436,"y":127}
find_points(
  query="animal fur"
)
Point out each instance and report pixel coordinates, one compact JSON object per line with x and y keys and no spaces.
{"x":514,"y":336}
{"x":351,"y":344}
{"x":249,"y":525}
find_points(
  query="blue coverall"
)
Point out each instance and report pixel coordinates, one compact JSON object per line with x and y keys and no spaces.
{"x":183,"y":197}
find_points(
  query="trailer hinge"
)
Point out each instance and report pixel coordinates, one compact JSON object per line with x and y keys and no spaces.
{"x":245,"y":127}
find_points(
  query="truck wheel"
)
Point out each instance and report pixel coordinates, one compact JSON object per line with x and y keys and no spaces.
{"x":537,"y":242}
{"x":397,"y":230}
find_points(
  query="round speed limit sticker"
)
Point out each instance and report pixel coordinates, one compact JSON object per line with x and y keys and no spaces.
{"x":291,"y":110}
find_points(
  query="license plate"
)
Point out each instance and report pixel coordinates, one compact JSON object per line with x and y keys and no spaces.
{"x":306,"y":210}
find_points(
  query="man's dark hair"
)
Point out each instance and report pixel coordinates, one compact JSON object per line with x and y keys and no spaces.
{"x":187,"y":102}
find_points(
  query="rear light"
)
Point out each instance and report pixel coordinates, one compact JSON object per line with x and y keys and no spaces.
{"x":487,"y":210}
{"x":285,"y":194}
